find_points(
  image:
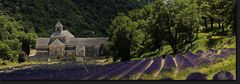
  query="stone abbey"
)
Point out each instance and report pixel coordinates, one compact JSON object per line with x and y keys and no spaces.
{"x":63,"y":43}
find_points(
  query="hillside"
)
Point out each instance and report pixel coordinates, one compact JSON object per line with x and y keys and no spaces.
{"x":83,"y":18}
{"x":172,"y":27}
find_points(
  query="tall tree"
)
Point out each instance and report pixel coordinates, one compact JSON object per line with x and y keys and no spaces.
{"x":27,"y":40}
{"x":125,"y":37}
{"x":176,"y":22}
{"x":11,"y":36}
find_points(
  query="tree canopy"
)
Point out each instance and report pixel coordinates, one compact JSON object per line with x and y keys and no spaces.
{"x":84,"y":18}
{"x":13,"y":37}
{"x":170,"y":22}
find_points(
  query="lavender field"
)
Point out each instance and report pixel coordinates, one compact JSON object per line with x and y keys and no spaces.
{"x":150,"y":68}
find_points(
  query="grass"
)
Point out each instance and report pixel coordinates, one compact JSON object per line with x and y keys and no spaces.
{"x":216,"y":42}
{"x":202,"y":43}
{"x":15,"y":64}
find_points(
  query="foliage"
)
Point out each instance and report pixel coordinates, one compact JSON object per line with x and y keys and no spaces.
{"x":27,"y":39}
{"x":174,"y":23}
{"x":4,"y":51}
{"x":220,"y":12}
{"x":22,"y":57}
{"x":104,"y":50}
{"x":11,"y":32}
{"x":147,"y":25}
{"x":85,"y":18}
{"x":125,"y":37}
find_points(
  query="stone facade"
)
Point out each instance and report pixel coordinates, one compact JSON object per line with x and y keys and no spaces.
{"x":63,"y":43}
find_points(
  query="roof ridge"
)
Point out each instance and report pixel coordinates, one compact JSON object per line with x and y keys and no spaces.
{"x":63,"y":33}
{"x":57,"y":42}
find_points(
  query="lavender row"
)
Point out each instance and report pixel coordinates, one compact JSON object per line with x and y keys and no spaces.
{"x":191,"y":57}
{"x":122,"y":71}
{"x":169,"y":64}
{"x":225,"y":54}
{"x":105,"y":76}
{"x":201,"y":61}
{"x":199,"y":52}
{"x":137,"y":71}
{"x":155,"y":67}
{"x":182,"y":62}
{"x":104,"y":72}
{"x":209,"y":54}
{"x":36,"y":73}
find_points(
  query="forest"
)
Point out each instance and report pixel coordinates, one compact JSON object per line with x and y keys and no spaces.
{"x":85,"y":18}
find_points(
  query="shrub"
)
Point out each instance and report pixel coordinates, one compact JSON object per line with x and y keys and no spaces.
{"x":73,"y":58}
{"x":196,"y":76}
{"x":4,"y":51}
{"x":4,"y":63}
{"x":58,"y":57}
{"x":22,"y":57}
{"x":223,"y":75}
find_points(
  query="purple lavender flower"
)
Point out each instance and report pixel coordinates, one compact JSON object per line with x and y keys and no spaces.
{"x":201,"y":61}
{"x":169,"y":64}
{"x":155,"y":66}
{"x":191,"y":57}
{"x":137,"y":71}
{"x":124,"y":70}
{"x":199,"y":52}
{"x":183,"y":62}
{"x":105,"y":72}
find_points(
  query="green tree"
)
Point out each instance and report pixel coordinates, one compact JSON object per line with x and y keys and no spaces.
{"x":125,"y":37}
{"x":219,"y":12}
{"x":4,"y":51}
{"x":175,"y":23}
{"x":22,"y":57}
{"x":27,"y":40}
{"x":13,"y":35}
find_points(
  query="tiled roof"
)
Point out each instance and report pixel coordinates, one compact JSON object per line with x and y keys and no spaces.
{"x":64,"y":33}
{"x":87,"y":41}
{"x":56,"y":42}
{"x":43,"y":41}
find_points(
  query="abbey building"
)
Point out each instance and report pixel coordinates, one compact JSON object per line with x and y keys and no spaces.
{"x":63,"y":43}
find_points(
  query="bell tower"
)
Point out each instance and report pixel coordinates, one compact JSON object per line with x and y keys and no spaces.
{"x":58,"y":26}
